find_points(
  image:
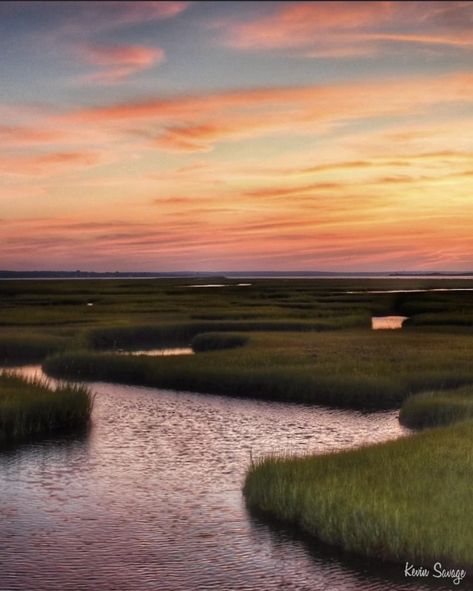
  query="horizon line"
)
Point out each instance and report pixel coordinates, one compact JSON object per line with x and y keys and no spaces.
{"x":242,"y":271}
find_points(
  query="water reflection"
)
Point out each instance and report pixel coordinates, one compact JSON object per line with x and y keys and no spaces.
{"x":207,"y":285}
{"x":329,"y":568}
{"x":220,"y":285}
{"x":160,"y":352}
{"x":151,"y":499}
{"x":419,"y":290}
{"x":387,"y":322}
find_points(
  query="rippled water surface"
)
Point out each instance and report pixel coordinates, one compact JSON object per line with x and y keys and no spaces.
{"x":150,"y":499}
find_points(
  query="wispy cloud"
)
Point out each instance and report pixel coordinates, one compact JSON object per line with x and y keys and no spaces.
{"x":91,"y":18}
{"x":92,"y":32}
{"x":17,"y":135}
{"x":119,"y":62}
{"x":351,"y":29}
{"x":196,"y":123}
{"x":39,"y":165}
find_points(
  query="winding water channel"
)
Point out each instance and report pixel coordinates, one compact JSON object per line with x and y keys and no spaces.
{"x":150,"y":499}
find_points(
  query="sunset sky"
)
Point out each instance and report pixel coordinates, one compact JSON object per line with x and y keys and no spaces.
{"x":169,"y":136}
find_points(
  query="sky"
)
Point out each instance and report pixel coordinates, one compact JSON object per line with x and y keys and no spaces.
{"x":238,"y":136}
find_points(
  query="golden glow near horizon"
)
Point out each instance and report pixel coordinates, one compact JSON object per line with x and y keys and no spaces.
{"x":237,"y":136}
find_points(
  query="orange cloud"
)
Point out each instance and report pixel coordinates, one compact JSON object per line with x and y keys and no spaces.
{"x":366,"y":240}
{"x":20,"y":135}
{"x":47,"y":164}
{"x":203,"y":120}
{"x":121,"y":61}
{"x":295,"y":190}
{"x":202,"y":137}
{"x":455,"y":39}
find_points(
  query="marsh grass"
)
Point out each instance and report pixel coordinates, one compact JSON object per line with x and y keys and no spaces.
{"x":33,"y":408}
{"x":170,"y":334}
{"x":306,"y":341}
{"x":354,"y":369}
{"x":28,"y":348}
{"x":437,"y":408}
{"x":404,"y":500}
{"x":215,"y":341}
{"x":441,"y":319}
{"x":216,"y":375}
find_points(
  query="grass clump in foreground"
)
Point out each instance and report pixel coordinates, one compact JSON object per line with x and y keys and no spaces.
{"x":404,"y":500}
{"x":32,"y":408}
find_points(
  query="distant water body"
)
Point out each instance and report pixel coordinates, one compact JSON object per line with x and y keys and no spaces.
{"x":249,"y":275}
{"x":367,"y":276}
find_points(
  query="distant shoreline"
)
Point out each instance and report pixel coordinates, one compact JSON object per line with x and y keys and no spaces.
{"x":5,"y":274}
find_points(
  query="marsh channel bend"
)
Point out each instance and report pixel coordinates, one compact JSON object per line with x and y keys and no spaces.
{"x":150,"y":498}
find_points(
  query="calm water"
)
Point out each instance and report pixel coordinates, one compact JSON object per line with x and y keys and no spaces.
{"x":150,"y":499}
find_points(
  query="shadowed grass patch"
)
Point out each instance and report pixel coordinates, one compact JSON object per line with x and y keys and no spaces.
{"x":18,"y":349}
{"x":167,"y":335}
{"x":214,"y":341}
{"x":432,"y":409}
{"x":441,"y":319}
{"x":354,"y":369}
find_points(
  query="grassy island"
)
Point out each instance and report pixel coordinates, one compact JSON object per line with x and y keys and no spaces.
{"x":398,"y":501}
{"x":32,"y":408}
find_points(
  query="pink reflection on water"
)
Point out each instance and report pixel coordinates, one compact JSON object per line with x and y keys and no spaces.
{"x":160,"y":352}
{"x":387,"y":322}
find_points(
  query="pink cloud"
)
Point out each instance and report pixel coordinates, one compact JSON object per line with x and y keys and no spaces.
{"x":94,"y":17}
{"x":138,"y":12}
{"x":120,"y":61}
{"x":297,"y":24}
{"x":351,"y":29}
